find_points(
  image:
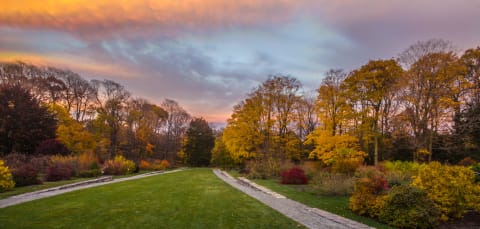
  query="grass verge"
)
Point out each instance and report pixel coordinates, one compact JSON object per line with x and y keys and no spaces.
{"x":334,"y":204}
{"x":193,"y":198}
{"x":47,"y":184}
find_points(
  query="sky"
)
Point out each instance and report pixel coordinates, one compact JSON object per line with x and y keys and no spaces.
{"x":209,"y":54}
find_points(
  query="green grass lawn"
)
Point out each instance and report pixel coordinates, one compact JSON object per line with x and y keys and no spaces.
{"x":32,"y":188}
{"x":334,"y":204}
{"x":48,"y":184}
{"x":193,"y":198}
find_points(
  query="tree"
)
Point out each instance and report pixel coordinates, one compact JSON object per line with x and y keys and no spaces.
{"x":71,"y":133}
{"x":427,"y":95}
{"x":80,"y":94}
{"x":199,"y":143}
{"x":471,"y":60}
{"x":174,"y":129}
{"x":331,"y":102}
{"x":263,"y":125}
{"x":144,"y":121}
{"x":220,"y":155}
{"x":24,"y":123}
{"x":111,"y":113}
{"x":244,"y":135}
{"x":373,"y":85}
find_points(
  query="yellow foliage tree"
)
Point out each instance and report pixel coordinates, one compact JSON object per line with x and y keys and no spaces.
{"x":71,"y":132}
{"x":333,"y":149}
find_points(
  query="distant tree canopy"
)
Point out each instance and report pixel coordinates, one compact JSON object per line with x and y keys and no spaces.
{"x":199,"y":143}
{"x":56,"y":108}
{"x":421,"y":106}
{"x":24,"y":122}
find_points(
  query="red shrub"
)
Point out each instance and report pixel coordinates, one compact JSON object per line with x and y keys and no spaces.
{"x":294,"y":176}
{"x":369,"y":192}
{"x":25,"y":174}
{"x":59,"y":171}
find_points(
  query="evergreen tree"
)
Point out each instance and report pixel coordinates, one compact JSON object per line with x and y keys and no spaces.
{"x":24,"y":123}
{"x":199,"y":143}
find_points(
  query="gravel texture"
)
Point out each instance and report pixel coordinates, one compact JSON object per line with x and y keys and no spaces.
{"x":307,"y":216}
{"x":18,"y":199}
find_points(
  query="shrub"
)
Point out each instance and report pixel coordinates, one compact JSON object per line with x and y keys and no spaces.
{"x":368,"y":192}
{"x":145,"y":165}
{"x":263,"y":169}
{"x":6,"y":180}
{"x":87,"y":161}
{"x":311,"y":168}
{"x":468,"y":161}
{"x":118,"y":166}
{"x":66,"y":161}
{"x":409,"y":207}
{"x":346,"y":165}
{"x":294,"y":176}
{"x":59,"y":171}
{"x":452,"y":189}
{"x":16,"y":160}
{"x":51,"y":147}
{"x":160,"y":165}
{"x":164,"y":164}
{"x":337,"y":184}
{"x":25,"y":175}
{"x":400,"y":172}
{"x":40,"y":162}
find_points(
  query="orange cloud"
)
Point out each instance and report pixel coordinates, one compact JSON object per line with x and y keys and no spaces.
{"x":91,"y":18}
{"x":77,"y":64}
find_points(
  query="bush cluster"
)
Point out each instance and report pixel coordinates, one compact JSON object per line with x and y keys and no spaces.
{"x":452,"y":189}
{"x":87,"y":161}
{"x":25,"y":174}
{"x":145,"y":165}
{"x":61,"y":168}
{"x":400,"y":172}
{"x":370,"y":188}
{"x":406,"y":206}
{"x":160,"y":165}
{"x":294,"y":175}
{"x":435,"y":192}
{"x":154,"y":165}
{"x":6,"y":180}
{"x":59,"y":171}
{"x":263,"y":169}
{"x":118,"y":166}
{"x":336,"y":184}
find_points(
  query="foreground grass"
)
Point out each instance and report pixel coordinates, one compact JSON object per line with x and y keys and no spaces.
{"x":334,"y":204}
{"x":190,"y":199}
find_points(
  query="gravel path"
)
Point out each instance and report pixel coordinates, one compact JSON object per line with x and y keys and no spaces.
{"x":309,"y":217}
{"x":18,"y":199}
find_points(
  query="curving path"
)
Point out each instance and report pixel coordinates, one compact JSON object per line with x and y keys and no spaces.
{"x":309,"y":217}
{"x":18,"y":199}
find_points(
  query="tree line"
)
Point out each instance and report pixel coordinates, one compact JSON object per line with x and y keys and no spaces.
{"x":44,"y":107}
{"x":422,"y":106}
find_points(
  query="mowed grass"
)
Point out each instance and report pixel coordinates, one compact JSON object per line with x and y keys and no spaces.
{"x":334,"y":204}
{"x":194,"y":198}
{"x":52,"y":184}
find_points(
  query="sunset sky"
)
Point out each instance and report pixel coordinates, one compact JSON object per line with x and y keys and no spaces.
{"x":209,"y":54}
